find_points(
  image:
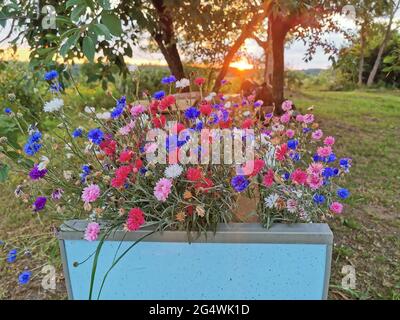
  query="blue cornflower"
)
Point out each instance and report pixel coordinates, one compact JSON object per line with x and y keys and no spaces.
{"x":96,"y":136}
{"x":331,"y":158}
{"x":343,"y":193}
{"x":159,"y":95}
{"x":119,"y":108}
{"x":214,"y":119}
{"x":12,"y":256}
{"x":292,"y":144}
{"x":225,"y":114}
{"x":192,"y":113}
{"x":56,"y":87}
{"x":286,"y":176}
{"x":168,"y":80}
{"x":199,"y":126}
{"x":295,"y":157}
{"x":142,"y":171}
{"x":77,"y":133}
{"x":217,"y":106}
{"x":306,"y":130}
{"x":85,"y":172}
{"x":317,"y":158}
{"x":319,"y":198}
{"x":7,"y":110}
{"x":51,"y":75}
{"x":328,"y":173}
{"x":24,"y":277}
{"x":35,"y":137}
{"x":345,"y":163}
{"x":335,"y":171}
{"x":258,"y":104}
{"x":240,"y":183}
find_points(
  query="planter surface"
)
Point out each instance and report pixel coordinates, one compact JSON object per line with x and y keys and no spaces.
{"x":241,"y":261}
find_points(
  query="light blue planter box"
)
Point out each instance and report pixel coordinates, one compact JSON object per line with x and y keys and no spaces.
{"x":241,"y":261}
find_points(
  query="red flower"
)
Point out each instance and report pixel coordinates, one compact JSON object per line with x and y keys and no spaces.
{"x":269,"y":178}
{"x":108,"y":146}
{"x":125,"y":156}
{"x":299,"y":177}
{"x":159,"y":122}
{"x":177,"y":128}
{"x":135,"y":219}
{"x":199,"y":81}
{"x":189,"y":210}
{"x":247,"y":124}
{"x":121,"y":174}
{"x":205,"y":183}
{"x":281,"y":152}
{"x":258,"y":166}
{"x":226,"y":124}
{"x":167,"y":102}
{"x":194,"y":174}
{"x":138,"y":165}
{"x":154,"y":107}
{"x":205,"y":109}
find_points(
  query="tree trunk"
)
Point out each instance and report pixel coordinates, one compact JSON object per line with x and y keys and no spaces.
{"x":269,"y":66}
{"x":362,"y":56}
{"x":378,"y":60}
{"x":246,"y":33}
{"x":166,"y":41}
{"x":279,"y":32}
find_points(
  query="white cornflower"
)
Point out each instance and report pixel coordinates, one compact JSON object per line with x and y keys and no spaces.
{"x":271,"y":200}
{"x":246,"y":113}
{"x":173,"y":171}
{"x":53,"y":105}
{"x":44,"y":161}
{"x":89,"y":109}
{"x":183,"y":83}
{"x":228,"y":105}
{"x":103,"y":116}
{"x":210,"y":96}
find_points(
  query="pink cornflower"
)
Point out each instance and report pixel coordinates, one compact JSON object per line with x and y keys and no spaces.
{"x":150,"y":147}
{"x":324,"y":151}
{"x":317,"y":135}
{"x":291,"y":205}
{"x":315,"y":168}
{"x":91,"y":193}
{"x":299,"y":177}
{"x":92,"y":231}
{"x":315,"y":182}
{"x":290,"y":133}
{"x":287,"y":105}
{"x":308,"y":118}
{"x":135,"y":219}
{"x":300,"y":118}
{"x":285,"y":118}
{"x":329,"y":141}
{"x":336,"y":207}
{"x":137,"y":110}
{"x":125,"y":130}
{"x":162,"y":189}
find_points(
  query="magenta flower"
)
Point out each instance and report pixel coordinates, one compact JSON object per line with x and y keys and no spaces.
{"x":36,"y":174}
{"x":329,"y":141}
{"x":39,"y":204}
{"x":308,"y":118}
{"x":91,"y":193}
{"x":317,"y":135}
{"x":336,"y":207}
{"x":162,"y":189}
{"x":324,"y":151}
{"x":92,"y":231}
{"x":287,"y":105}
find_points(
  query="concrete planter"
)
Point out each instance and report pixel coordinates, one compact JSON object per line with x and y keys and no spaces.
{"x":241,"y":261}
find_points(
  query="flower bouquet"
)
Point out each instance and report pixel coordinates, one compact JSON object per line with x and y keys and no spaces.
{"x":147,"y":163}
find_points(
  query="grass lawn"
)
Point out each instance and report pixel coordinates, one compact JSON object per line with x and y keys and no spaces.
{"x":367,"y":127}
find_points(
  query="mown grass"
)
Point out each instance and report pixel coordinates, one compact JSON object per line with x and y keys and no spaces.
{"x":367,"y":128}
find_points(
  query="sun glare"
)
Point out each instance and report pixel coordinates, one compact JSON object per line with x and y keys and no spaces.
{"x":242,"y":64}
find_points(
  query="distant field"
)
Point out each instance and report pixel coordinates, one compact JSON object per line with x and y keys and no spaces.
{"x":367,"y":127}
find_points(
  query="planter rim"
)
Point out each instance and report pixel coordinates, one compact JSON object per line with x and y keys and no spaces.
{"x":303,"y":233}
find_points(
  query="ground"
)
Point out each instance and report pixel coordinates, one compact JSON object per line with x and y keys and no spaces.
{"x":367,"y":236}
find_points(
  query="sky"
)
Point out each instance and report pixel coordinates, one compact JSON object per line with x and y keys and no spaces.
{"x":294,"y":55}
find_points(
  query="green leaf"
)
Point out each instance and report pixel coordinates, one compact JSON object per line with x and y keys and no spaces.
{"x":4,"y":169}
{"x":101,"y":30}
{"x":77,"y":12}
{"x":69,"y":43}
{"x":88,"y":48}
{"x":112,"y":22}
{"x":71,"y":3}
{"x":105,"y":4}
